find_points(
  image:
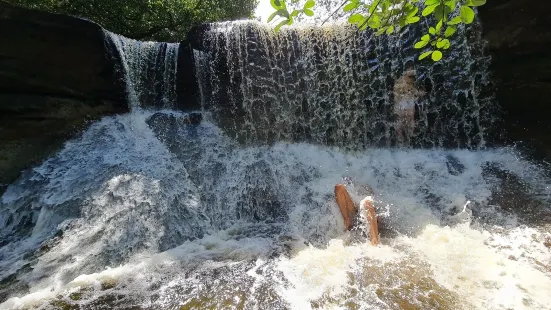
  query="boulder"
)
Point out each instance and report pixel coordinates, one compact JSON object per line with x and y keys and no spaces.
{"x":55,"y":75}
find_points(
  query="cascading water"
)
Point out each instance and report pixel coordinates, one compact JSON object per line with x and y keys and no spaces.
{"x":150,"y":71}
{"x":152,"y":211}
{"x":334,"y":85}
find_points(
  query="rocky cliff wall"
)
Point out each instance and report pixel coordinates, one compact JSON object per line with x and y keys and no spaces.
{"x":55,"y":75}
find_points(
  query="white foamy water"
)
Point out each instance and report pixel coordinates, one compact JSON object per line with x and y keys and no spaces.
{"x":146,"y":211}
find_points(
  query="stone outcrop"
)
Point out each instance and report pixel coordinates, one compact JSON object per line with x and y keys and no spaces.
{"x":519,"y":37}
{"x":55,"y":75}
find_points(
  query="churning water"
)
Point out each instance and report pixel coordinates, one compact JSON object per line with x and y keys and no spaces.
{"x":150,"y":210}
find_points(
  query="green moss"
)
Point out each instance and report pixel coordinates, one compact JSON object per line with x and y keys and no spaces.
{"x":62,"y":305}
{"x":75,"y":296}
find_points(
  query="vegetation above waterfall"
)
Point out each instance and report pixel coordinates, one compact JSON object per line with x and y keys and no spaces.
{"x":391,"y":16}
{"x":160,"y":20}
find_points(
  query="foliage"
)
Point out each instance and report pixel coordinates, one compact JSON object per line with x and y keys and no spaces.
{"x":391,"y":16}
{"x":161,"y":20}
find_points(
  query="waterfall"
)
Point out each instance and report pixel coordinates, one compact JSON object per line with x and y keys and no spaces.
{"x":155,"y":210}
{"x":334,"y":85}
{"x":149,"y":70}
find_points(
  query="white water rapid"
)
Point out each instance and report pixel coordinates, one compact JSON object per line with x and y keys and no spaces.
{"x":144,"y":210}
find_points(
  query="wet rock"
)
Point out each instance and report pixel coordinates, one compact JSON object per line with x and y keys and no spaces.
{"x":519,"y":39}
{"x":55,"y":76}
{"x":455,"y":167}
{"x":514,"y":196}
{"x":188,"y":96}
{"x":259,"y":199}
{"x":11,"y":285}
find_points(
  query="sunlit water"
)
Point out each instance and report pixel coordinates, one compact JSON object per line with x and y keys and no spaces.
{"x":334,"y":85}
{"x":149,"y":212}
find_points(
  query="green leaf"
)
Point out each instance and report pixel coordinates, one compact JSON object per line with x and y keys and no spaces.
{"x":421,"y":44}
{"x":432,"y":30}
{"x":295,"y":13}
{"x":402,"y":22}
{"x":450,"y":31}
{"x":467,"y":14}
{"x":356,"y":18}
{"x":390,"y":29}
{"x":445,"y":44}
{"x":476,"y":2}
{"x":308,"y":12}
{"x":451,"y":4}
{"x":309,"y":4}
{"x":441,"y":12}
{"x":455,"y":21}
{"x":431,"y":2}
{"x":372,"y":7}
{"x":425,"y":38}
{"x":349,"y":7}
{"x":380,"y":31}
{"x":282,"y":23}
{"x":436,"y":55}
{"x":374,"y":22}
{"x":429,"y":9}
{"x":439,"y":26}
{"x":280,"y":12}
{"x":384,"y":6}
{"x":277,"y":4}
{"x":412,"y":20}
{"x":424,"y":55}
{"x":413,"y":12}
{"x":274,"y":14}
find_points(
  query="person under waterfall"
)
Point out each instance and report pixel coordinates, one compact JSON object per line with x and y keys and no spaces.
{"x":406,"y":96}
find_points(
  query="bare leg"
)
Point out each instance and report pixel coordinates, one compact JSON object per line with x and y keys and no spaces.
{"x":346,"y":205}
{"x":367,"y":205}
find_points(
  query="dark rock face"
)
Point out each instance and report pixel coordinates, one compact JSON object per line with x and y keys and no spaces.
{"x":519,"y":36}
{"x":187,"y":90}
{"x":55,"y":74}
